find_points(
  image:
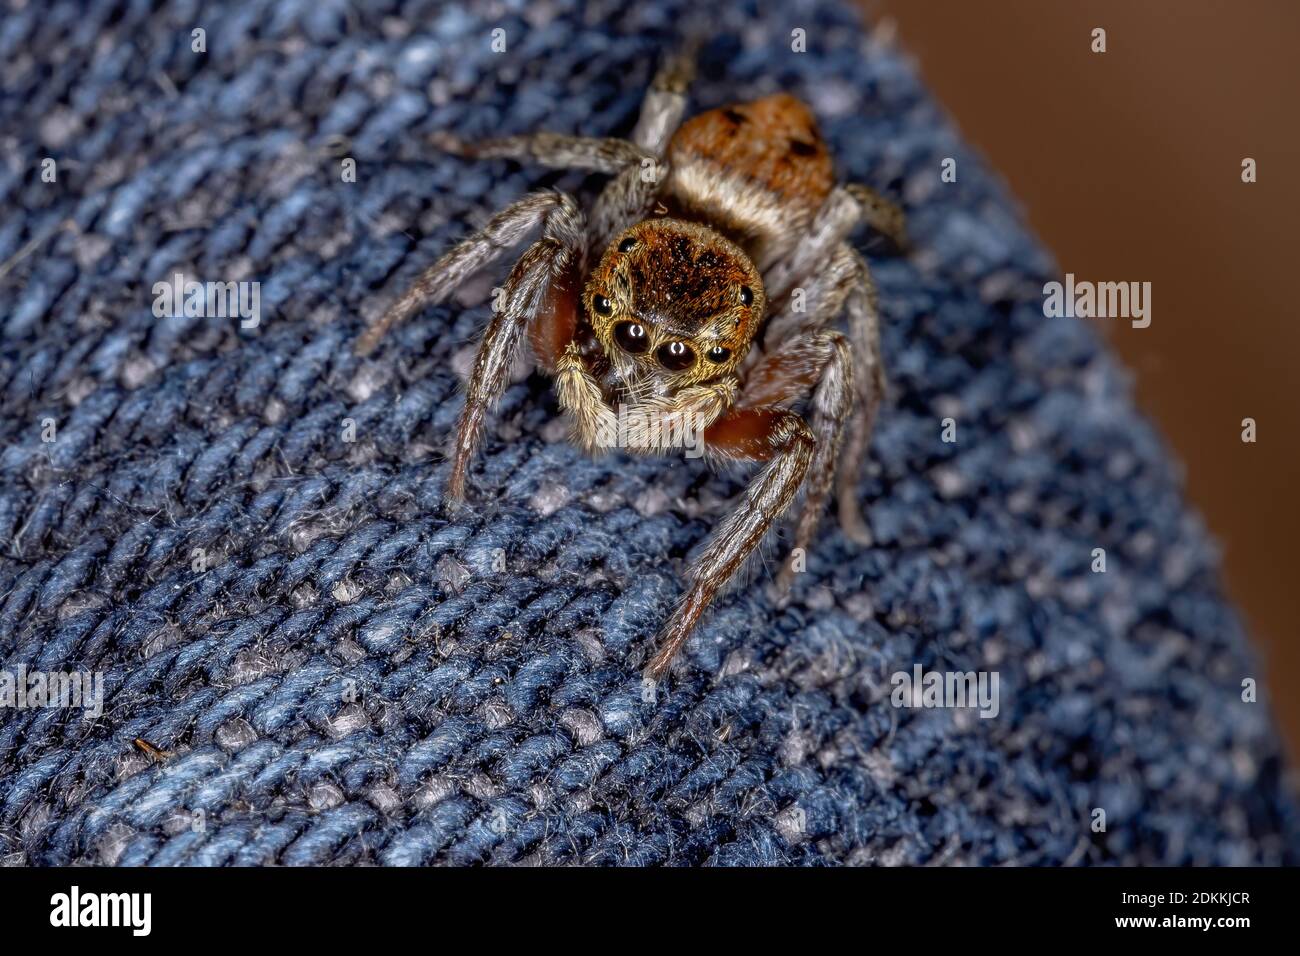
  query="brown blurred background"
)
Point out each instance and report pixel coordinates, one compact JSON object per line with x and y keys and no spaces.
{"x":1128,"y":165}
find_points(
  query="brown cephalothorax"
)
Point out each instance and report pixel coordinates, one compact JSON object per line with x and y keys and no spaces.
{"x":691,"y":309}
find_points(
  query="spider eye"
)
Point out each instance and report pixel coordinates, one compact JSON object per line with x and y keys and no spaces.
{"x":631,"y":337}
{"x":602,"y":304}
{"x":717,"y":355}
{"x":627,"y":245}
{"x":675,"y":356}
{"x":746,"y":295}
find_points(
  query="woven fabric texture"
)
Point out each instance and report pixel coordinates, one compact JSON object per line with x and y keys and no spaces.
{"x":338,"y":672}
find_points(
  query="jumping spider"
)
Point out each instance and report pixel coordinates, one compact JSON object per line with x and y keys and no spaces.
{"x":701,"y":289}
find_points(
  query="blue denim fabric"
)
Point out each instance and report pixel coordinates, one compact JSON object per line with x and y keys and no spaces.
{"x":358,"y":677}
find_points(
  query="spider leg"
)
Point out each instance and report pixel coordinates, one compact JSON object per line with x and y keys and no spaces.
{"x":839,"y":215}
{"x":845,"y":402}
{"x":540,"y":297}
{"x":777,"y":436}
{"x":815,"y":299}
{"x":627,"y":198}
{"x":881,"y":214}
{"x":607,"y":155}
{"x":828,"y":414}
{"x":864,"y":334}
{"x":665,"y":101}
{"x":821,"y":361}
{"x":632,"y":194}
{"x":507,"y":228}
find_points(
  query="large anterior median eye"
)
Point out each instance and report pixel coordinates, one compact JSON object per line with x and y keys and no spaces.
{"x":631,"y":337}
{"x":675,"y":356}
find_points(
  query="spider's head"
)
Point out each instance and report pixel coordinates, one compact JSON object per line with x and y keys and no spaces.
{"x":674,"y":303}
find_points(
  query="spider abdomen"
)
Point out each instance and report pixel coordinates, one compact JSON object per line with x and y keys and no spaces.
{"x":757,"y":172}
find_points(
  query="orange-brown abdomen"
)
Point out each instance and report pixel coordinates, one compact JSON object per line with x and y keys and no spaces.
{"x":758,"y":171}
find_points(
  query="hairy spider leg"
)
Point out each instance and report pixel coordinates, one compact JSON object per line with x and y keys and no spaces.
{"x":776,"y":436}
